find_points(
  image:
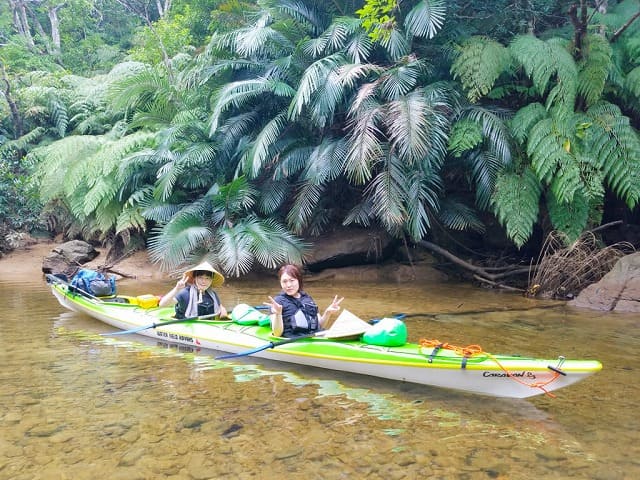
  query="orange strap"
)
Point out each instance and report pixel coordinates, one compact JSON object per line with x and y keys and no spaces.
{"x":471,"y":350}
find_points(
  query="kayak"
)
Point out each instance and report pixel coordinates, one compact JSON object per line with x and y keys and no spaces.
{"x":432,"y":363}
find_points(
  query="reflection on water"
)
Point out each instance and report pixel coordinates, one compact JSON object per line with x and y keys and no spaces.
{"x":77,"y":405}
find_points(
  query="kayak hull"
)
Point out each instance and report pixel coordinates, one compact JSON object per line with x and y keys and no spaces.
{"x":486,"y":374}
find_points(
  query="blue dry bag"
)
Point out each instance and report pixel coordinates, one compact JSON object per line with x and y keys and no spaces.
{"x":94,"y":283}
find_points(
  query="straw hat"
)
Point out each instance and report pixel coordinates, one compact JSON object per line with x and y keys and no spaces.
{"x":217,"y":280}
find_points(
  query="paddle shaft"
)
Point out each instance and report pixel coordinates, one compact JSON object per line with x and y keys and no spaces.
{"x":266,"y":346}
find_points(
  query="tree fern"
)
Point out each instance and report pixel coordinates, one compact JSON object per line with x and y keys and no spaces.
{"x":632,"y":83}
{"x":524,"y":120}
{"x":478,"y":64}
{"x":616,"y":146}
{"x":547,"y":148}
{"x":594,"y":68}
{"x":550,"y":66}
{"x":465,"y":135}
{"x":516,"y":203}
{"x":571,"y":217}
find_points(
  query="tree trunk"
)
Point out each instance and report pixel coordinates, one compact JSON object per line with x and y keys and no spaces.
{"x":21,"y":22}
{"x":13,"y":107}
{"x":55,"y":28}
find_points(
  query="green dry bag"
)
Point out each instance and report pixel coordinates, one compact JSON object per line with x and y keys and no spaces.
{"x":388,"y":332}
{"x":247,"y":315}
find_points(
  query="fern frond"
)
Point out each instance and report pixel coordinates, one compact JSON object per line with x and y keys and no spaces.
{"x":524,"y":120}
{"x":516,"y":204}
{"x":478,"y":63}
{"x":632,"y":83}
{"x":567,"y":180}
{"x":546,"y":148}
{"x":465,"y":135}
{"x":616,"y":146}
{"x":571,"y":217}
{"x":594,"y":68}
{"x":550,"y":67}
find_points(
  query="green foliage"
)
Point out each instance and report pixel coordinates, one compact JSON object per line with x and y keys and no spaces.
{"x":478,"y":64}
{"x":616,"y":147}
{"x":594,"y":68}
{"x":465,"y":135}
{"x":19,"y":200}
{"x":550,"y":67}
{"x":82,"y":171}
{"x":426,"y":18}
{"x":217,"y":226}
{"x":632,"y":83}
{"x":571,"y":217}
{"x":172,"y":33}
{"x":516,"y":201}
{"x":378,"y":18}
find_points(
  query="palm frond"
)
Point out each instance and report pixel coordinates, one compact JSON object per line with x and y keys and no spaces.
{"x":418,"y":126}
{"x":389,"y":195}
{"x":396,"y":44}
{"x":364,"y":139}
{"x":455,"y":215}
{"x":237,"y":94}
{"x":172,"y":244}
{"x":313,"y":16}
{"x":426,"y":18}
{"x":263,"y":144}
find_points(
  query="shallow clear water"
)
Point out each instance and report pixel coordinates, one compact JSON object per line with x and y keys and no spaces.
{"x":75,"y":405}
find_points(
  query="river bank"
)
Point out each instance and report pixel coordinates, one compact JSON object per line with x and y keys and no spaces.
{"x":26,"y":264}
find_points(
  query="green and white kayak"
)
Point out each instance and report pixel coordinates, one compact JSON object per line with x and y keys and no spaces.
{"x":441,"y":365}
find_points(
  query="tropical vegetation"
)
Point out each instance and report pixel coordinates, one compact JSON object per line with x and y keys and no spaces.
{"x":237,"y":129}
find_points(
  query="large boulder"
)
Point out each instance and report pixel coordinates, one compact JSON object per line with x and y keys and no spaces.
{"x":349,"y":247}
{"x":67,"y":257}
{"x":618,"y":290}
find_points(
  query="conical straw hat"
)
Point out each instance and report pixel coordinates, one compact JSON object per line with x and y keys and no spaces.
{"x":346,"y":325}
{"x":217,"y":280}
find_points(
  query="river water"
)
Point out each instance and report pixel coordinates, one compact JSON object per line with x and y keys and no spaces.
{"x":76,"y":405}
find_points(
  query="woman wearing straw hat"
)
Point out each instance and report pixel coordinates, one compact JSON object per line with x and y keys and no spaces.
{"x":194,"y":294}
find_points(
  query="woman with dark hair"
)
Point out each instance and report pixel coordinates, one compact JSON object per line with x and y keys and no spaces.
{"x":293,"y":312}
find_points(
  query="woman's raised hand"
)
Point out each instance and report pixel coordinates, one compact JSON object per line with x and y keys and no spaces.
{"x":335,"y":304}
{"x":274,"y":306}
{"x":182,"y":282}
